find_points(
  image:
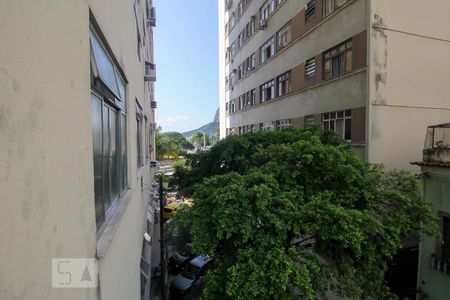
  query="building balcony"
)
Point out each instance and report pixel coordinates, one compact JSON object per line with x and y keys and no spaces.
{"x":437,"y":144}
{"x":150,"y":71}
{"x":439,"y":265}
{"x":151,"y":15}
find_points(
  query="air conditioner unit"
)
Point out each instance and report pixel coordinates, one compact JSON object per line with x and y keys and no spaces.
{"x":153,"y":104}
{"x":153,"y":164}
{"x":262,"y":24}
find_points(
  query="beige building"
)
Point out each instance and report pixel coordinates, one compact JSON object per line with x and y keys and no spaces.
{"x":374,"y":71}
{"x":77,"y":111}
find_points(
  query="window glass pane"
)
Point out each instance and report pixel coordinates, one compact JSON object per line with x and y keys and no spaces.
{"x":348,"y":61}
{"x":337,"y":65}
{"x":96,"y":114}
{"x":348,"y":130}
{"x":340,"y":128}
{"x":106,"y":160}
{"x":104,"y":65}
{"x":121,"y":85}
{"x":123,"y":153}
{"x":114,"y":158}
{"x":332,"y":125}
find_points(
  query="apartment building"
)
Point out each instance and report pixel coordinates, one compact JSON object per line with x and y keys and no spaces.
{"x":434,"y":259}
{"x":373,"y":71}
{"x":77,"y":114}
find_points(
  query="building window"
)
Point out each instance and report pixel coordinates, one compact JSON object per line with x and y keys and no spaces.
{"x":310,"y":120}
{"x":283,"y":124}
{"x":338,"y":60}
{"x":284,"y":36}
{"x":139,"y":124}
{"x":310,"y":11}
{"x":241,"y":71}
{"x":253,"y":61}
{"x":266,"y":10}
{"x":267,"y":50}
{"x":268,"y":91}
{"x":233,"y":106}
{"x":284,"y":84}
{"x":310,"y":67}
{"x":253,"y":97}
{"x":331,"y":5}
{"x":339,"y":122}
{"x":232,"y":80}
{"x":267,"y":126}
{"x":108,"y":130}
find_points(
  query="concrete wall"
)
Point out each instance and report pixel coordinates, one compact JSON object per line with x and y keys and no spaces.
{"x":408,"y":79}
{"x":343,"y":93}
{"x":434,"y":284}
{"x":46,"y":162}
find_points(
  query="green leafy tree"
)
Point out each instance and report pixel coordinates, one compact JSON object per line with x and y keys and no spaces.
{"x":171,"y":142}
{"x":296,"y":214}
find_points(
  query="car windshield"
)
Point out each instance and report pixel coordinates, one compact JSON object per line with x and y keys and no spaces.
{"x":190,"y":271}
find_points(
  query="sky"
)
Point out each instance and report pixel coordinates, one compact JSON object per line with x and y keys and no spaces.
{"x":186,"y":57}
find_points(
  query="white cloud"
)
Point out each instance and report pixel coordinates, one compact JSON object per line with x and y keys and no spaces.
{"x":174,"y":123}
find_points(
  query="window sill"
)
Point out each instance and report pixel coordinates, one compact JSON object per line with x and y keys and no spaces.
{"x":105,"y":238}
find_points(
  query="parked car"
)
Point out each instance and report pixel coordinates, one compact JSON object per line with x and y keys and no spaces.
{"x":191,"y":275}
{"x":179,"y":260}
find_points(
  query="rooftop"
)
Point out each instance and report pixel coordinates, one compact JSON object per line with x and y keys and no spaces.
{"x":436,"y":151}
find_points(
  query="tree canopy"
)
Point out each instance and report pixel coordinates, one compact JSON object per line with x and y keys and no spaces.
{"x":171,"y":143}
{"x":297,"y":214}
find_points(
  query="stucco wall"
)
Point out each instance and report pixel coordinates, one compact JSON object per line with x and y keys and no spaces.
{"x":408,"y":78}
{"x":434,"y":284}
{"x":46,"y":162}
{"x":343,"y":93}
{"x":47,"y":202}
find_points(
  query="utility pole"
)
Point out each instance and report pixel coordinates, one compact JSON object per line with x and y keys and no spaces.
{"x":161,"y":238}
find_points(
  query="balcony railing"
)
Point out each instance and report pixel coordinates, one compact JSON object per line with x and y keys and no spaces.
{"x":439,"y":265}
{"x":437,"y":144}
{"x":150,"y":71}
{"x":151,"y":15}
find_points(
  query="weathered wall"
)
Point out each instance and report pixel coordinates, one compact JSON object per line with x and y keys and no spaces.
{"x":46,"y":163}
{"x":408,"y":79}
{"x":434,"y":284}
{"x":47,"y":202}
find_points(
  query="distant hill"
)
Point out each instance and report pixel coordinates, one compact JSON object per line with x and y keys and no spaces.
{"x":209,"y":128}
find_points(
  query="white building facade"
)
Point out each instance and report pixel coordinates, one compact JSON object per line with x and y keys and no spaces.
{"x":373,"y":71}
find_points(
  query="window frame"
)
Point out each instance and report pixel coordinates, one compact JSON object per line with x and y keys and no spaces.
{"x":342,"y":51}
{"x":284,"y":84}
{"x":114,"y":103}
{"x":284,"y":36}
{"x":333,"y":118}
{"x":264,"y":88}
